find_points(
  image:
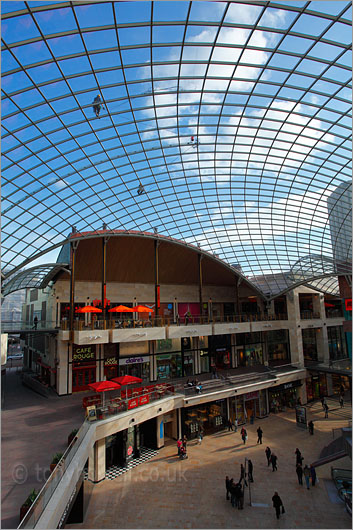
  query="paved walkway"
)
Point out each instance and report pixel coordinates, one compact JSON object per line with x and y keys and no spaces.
{"x":168,"y":493}
{"x":33,"y":429}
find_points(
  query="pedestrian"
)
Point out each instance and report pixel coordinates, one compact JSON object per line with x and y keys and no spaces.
{"x":299,"y":472}
{"x":241,"y":498}
{"x":244,"y":434}
{"x":299,"y":456}
{"x":97,"y":105}
{"x":230,"y":425}
{"x":277,"y":503}
{"x":307,"y":475}
{"x":326,"y":410}
{"x":341,"y":402}
{"x":274,"y":462}
{"x":250,"y":471}
{"x":235,"y":425}
{"x":268,"y":455}
{"x":200,"y":436}
{"x":242,"y":475}
{"x":259,"y":435}
{"x":311,"y":427}
{"x":179,"y":446}
{"x":35,"y":322}
{"x":233,"y":493}
{"x":313,"y":475}
{"x":228,"y":483}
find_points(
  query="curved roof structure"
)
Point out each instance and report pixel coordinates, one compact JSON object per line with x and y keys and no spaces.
{"x":223,"y":124}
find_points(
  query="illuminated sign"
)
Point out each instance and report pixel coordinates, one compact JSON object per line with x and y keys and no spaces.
{"x":348,"y":303}
{"x":83,"y":353}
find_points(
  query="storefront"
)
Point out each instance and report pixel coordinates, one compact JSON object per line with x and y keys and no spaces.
{"x":247,"y":407}
{"x":189,"y":353}
{"x":209,"y":417}
{"x":83,"y":367}
{"x":277,"y":346}
{"x":316,"y":386}
{"x":249,"y":350}
{"x":283,"y":396}
{"x":220,"y":351}
{"x":134,"y":359}
{"x":169,"y":363}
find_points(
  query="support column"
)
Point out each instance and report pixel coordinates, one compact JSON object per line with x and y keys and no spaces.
{"x":96,"y":461}
{"x":237,"y":305}
{"x":179,"y":425}
{"x":104,"y":276}
{"x":295,"y":330}
{"x":200,"y":284}
{"x":157,"y":297}
{"x":73,"y":248}
{"x":323,"y":354}
{"x":160,"y":432}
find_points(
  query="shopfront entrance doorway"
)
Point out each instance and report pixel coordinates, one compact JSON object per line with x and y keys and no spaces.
{"x":82,"y":377}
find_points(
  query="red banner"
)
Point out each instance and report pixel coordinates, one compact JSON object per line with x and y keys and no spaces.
{"x":158,"y":297}
{"x":143,"y":400}
{"x":132,"y":403}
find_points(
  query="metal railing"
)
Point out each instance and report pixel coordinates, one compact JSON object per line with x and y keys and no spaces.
{"x":128,"y":323}
{"x":309,"y":315}
{"x":26,"y":325}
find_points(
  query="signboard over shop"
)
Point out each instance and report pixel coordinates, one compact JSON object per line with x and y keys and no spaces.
{"x":134,"y":360}
{"x":83,"y":353}
{"x":285,"y":386}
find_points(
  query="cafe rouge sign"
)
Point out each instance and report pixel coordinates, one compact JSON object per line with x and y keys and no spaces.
{"x":83,"y":353}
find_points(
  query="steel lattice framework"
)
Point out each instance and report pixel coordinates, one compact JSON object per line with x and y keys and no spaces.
{"x":225,"y":124}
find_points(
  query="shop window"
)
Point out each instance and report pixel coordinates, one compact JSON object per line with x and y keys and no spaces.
{"x":169,"y":366}
{"x":204,"y":361}
{"x":336,"y":343}
{"x":309,"y":344}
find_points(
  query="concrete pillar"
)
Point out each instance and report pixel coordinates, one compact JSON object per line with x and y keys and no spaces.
{"x":63,"y":369}
{"x":319,"y":305}
{"x":329,"y":384}
{"x":96,"y":461}
{"x":323,"y":354}
{"x":271,"y":308}
{"x":179,"y":424}
{"x":100,"y":364}
{"x":301,"y":392}
{"x":160,"y":432}
{"x":295,"y":330}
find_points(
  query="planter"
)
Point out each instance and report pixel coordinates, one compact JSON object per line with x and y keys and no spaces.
{"x":23,"y":510}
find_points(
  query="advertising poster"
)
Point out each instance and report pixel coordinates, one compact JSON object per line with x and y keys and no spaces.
{"x":300,"y":413}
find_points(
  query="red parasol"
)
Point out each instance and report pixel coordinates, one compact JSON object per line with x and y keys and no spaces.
{"x":127,"y":380}
{"x":142,"y":309}
{"x":104,"y":386}
{"x":121,"y":309}
{"x":88,"y":309}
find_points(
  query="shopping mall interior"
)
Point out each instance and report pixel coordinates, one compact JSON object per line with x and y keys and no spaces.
{"x":176,"y":263}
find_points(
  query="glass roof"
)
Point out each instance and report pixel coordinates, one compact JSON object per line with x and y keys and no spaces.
{"x":223,"y":124}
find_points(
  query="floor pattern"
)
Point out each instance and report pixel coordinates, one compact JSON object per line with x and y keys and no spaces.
{"x":113,"y":472}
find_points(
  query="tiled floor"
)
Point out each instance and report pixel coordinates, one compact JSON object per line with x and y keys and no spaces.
{"x":168,"y":493}
{"x":113,"y":472}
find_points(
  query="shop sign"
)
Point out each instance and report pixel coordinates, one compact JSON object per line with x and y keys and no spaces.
{"x":133,"y":360}
{"x":85,"y":353}
{"x":143,"y":400}
{"x":129,"y":450}
{"x":110,"y":361}
{"x":285,"y":386}
{"x":132,"y":403}
{"x":348,"y":304}
{"x":252,"y":395}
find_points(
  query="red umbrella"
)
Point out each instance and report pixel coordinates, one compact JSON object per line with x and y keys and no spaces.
{"x":88,"y":309}
{"x":327,"y":304}
{"x":127,"y":380}
{"x":121,"y":309}
{"x":142,"y":309}
{"x":104,"y":386}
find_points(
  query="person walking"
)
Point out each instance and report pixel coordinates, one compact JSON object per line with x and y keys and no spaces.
{"x":277,"y":503}
{"x":313,"y":475}
{"x":268,"y":455}
{"x":35,"y":322}
{"x":242,"y":475}
{"x":274,"y":462}
{"x":259,"y":435}
{"x":235,"y":425}
{"x":228,"y":484}
{"x":299,"y":458}
{"x":341,"y":402}
{"x":230,"y":425}
{"x":311,"y":427}
{"x":240,"y":497}
{"x":200,"y":436}
{"x":185,"y":441}
{"x":179,"y":446}
{"x":326,"y":410}
{"x":233,"y":493}
{"x":244,"y":434}
{"x":299,"y":472}
{"x":250,"y":471}
{"x":306,"y":472}
{"x":323,"y":402}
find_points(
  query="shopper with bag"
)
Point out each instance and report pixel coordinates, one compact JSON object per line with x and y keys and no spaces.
{"x":277,"y":504}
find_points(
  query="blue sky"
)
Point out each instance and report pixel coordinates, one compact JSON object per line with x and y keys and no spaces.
{"x":269,"y":110}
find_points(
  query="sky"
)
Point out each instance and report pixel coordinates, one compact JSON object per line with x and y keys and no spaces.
{"x":265,"y":93}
